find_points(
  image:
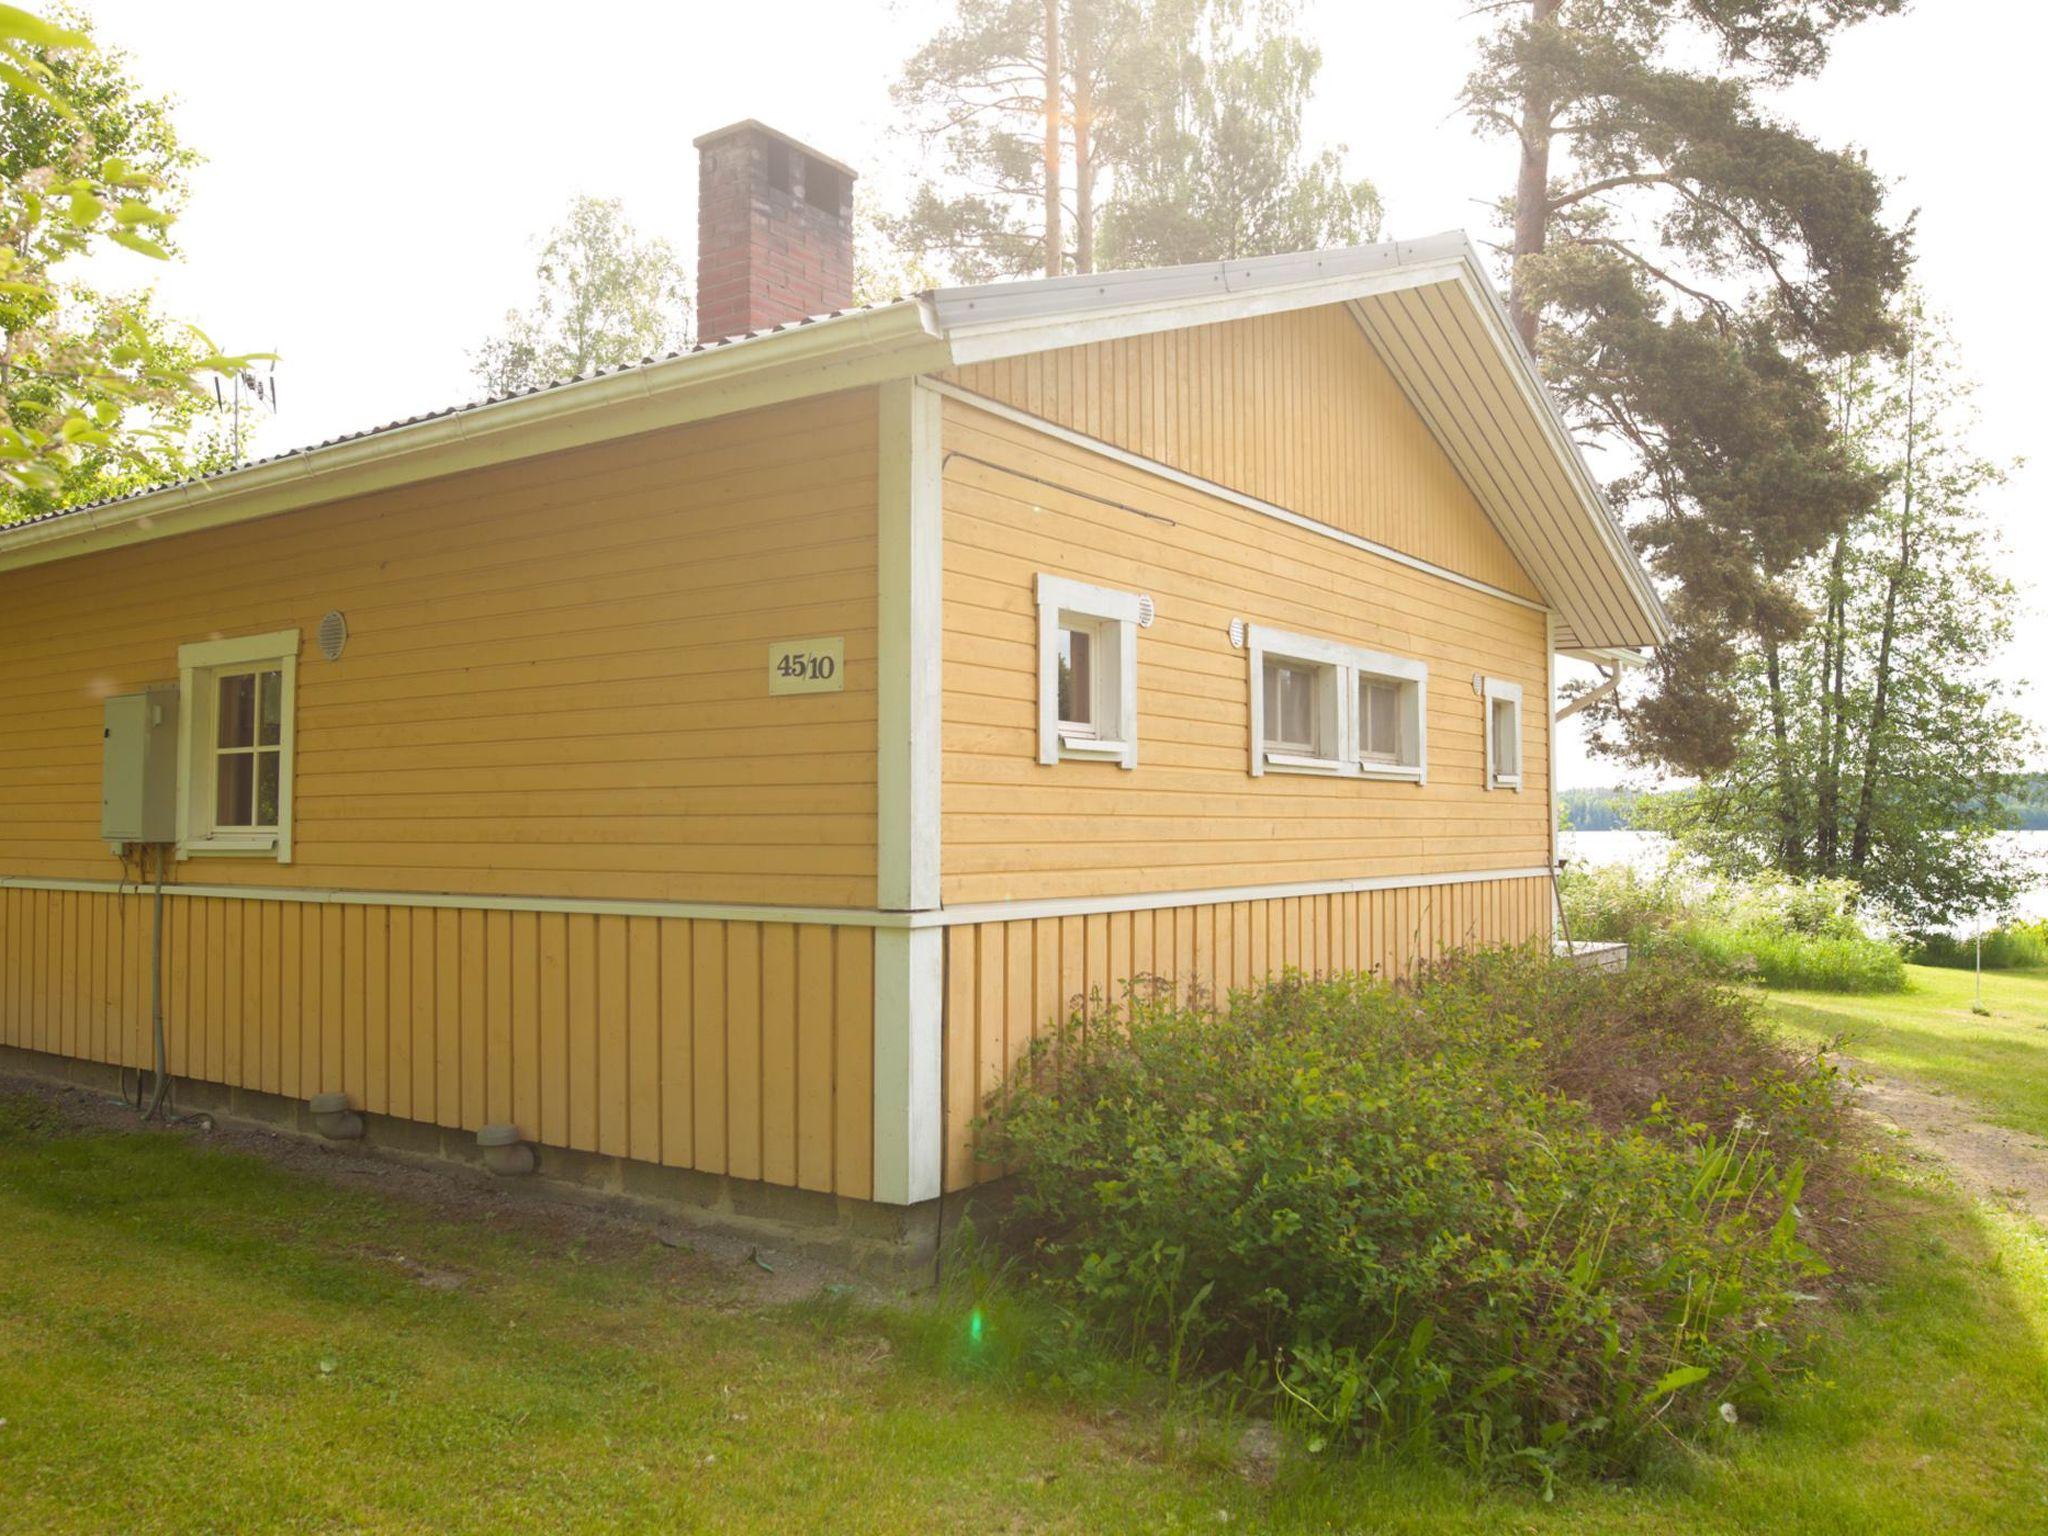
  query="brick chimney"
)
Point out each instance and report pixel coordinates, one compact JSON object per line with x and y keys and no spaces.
{"x":774,"y":231}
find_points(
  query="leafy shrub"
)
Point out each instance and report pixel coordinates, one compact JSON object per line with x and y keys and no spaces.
{"x":1784,"y":932}
{"x":1519,"y":1211}
{"x":2010,"y":947}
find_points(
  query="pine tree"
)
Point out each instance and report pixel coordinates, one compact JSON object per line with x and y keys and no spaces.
{"x":1686,"y":265}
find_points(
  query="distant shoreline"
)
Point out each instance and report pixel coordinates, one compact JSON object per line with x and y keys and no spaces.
{"x":1616,"y":809}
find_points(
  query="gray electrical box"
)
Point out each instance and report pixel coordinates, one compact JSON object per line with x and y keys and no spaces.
{"x":139,"y":768}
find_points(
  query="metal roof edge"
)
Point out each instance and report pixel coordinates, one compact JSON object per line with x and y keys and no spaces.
{"x":926,"y":333}
{"x":992,"y":320}
{"x":856,"y":346}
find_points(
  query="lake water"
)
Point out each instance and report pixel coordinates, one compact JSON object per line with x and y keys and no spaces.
{"x":1646,"y":850}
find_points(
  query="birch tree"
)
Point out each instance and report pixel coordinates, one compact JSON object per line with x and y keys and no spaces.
{"x":1893,"y":746}
{"x":604,"y":294}
{"x":99,"y":392}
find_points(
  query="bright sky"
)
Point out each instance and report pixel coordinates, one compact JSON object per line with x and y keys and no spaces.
{"x":378,"y":170}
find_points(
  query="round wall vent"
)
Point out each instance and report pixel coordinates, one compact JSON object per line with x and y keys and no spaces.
{"x":1145,"y":611}
{"x":1237,"y":634}
{"x":332,"y":635}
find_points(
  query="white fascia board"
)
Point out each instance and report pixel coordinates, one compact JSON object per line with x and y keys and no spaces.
{"x":862,"y":347}
{"x":1537,"y":397}
{"x":999,"y":320}
{"x":1602,"y":655}
{"x":1169,"y":305}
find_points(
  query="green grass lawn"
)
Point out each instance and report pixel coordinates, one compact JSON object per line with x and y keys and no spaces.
{"x":1999,"y":1061}
{"x":194,"y":1339}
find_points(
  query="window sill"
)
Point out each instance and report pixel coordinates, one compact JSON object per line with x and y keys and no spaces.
{"x":222,"y":848}
{"x":1508,"y":781}
{"x":1400,"y":773}
{"x":1091,"y":747}
{"x":1290,"y":762}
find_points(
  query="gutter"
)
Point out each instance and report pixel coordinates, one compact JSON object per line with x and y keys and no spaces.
{"x":860,"y":346}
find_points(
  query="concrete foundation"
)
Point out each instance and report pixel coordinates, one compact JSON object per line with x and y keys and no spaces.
{"x":1595,"y":954}
{"x":894,"y":1244}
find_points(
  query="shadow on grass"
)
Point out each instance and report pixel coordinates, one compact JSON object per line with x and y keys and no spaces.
{"x":209,"y":1322}
{"x":1999,"y":1065}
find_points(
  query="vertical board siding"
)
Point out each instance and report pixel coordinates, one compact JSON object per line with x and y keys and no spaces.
{"x":733,"y":1047}
{"x":1009,"y":982}
{"x":555,"y":681}
{"x":1191,"y":816}
{"x":1296,"y":409}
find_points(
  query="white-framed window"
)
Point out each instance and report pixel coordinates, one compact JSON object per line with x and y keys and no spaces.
{"x":1087,"y":672}
{"x":1319,"y":706}
{"x":237,"y":700}
{"x":1503,"y":705}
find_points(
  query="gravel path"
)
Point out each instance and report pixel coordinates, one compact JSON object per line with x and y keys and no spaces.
{"x":2005,"y":1166}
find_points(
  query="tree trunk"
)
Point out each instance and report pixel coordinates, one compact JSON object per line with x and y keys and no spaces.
{"x":1866,"y":798}
{"x":1054,"y":250}
{"x":1084,"y":149}
{"x":1532,"y":188}
{"x":1790,"y":842}
{"x":1833,"y":717}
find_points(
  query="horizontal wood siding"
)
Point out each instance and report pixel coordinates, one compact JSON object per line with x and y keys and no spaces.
{"x":1191,"y":816}
{"x":1296,"y":409}
{"x":737,"y":1048}
{"x":1008,"y":982}
{"x":555,"y":682}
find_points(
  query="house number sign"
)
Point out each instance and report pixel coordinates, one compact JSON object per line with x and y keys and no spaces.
{"x":807,"y":666}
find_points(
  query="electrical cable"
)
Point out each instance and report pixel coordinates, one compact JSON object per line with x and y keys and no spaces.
{"x":1054,"y":485}
{"x":156,"y":994}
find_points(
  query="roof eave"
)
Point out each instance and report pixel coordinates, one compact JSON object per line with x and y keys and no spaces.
{"x":843,"y":351}
{"x":998,"y":320}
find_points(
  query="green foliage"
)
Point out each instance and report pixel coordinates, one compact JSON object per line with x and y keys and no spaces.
{"x":1209,"y":157}
{"x":604,"y":295}
{"x":1683,"y":262}
{"x":2013,"y":946}
{"x":1885,"y":740}
{"x":1783,"y":932}
{"x":1178,"y":128}
{"x":99,"y":394}
{"x":1524,"y":1214}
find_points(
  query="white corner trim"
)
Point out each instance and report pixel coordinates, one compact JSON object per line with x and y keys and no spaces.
{"x":910,"y":989}
{"x":910,"y":618}
{"x":1550,"y":733}
{"x":1061,"y":594}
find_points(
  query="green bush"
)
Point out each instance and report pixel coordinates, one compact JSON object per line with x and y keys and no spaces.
{"x":1522,"y":1212}
{"x":2010,"y":947}
{"x":1783,"y":932}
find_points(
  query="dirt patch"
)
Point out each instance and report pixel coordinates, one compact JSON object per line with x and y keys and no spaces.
{"x":709,"y":1267}
{"x":2005,"y":1166}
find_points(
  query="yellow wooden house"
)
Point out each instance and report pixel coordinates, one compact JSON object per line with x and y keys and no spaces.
{"x":728,"y":763}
